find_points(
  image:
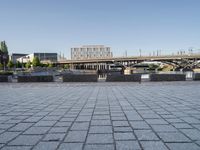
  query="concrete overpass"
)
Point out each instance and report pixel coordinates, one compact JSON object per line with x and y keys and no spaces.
{"x":101,"y":64}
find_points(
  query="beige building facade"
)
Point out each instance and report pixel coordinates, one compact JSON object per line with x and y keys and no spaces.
{"x":91,"y":52}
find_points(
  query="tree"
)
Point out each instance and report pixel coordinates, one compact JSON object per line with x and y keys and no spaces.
{"x":28,"y":64}
{"x":66,"y":66}
{"x":4,"y":47}
{"x":1,"y":66}
{"x":10,"y":64}
{"x":36,"y":62}
{"x":50,"y":65}
{"x":18,"y":64}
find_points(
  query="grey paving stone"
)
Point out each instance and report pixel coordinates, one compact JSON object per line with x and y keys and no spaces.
{"x":139,"y":125}
{"x":7,"y":136}
{"x":120,"y":124}
{"x":37,"y":130}
{"x":193,"y":134}
{"x":6,"y":126}
{"x":21,"y":127}
{"x":164,"y":128}
{"x":100,"y":129}
{"x":71,"y":146}
{"x":76,"y":136}
{"x":58,"y":130}
{"x":183,"y":146}
{"x":26,"y":140}
{"x":153,"y":145}
{"x":127,"y":145}
{"x":182,"y":125}
{"x":124,"y":136}
{"x":83,"y":118}
{"x":173,"y":137}
{"x":17,"y":148}
{"x":101,"y":122}
{"x":43,"y":123}
{"x":63,"y":124}
{"x":99,"y":139}
{"x":99,"y":147}
{"x":123,"y":129}
{"x":80,"y":126}
{"x":147,"y":135}
{"x":156,"y":121}
{"x":54,"y":137}
{"x":46,"y":146}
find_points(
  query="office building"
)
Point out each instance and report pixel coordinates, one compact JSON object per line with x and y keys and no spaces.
{"x":43,"y":57}
{"x":90,"y":52}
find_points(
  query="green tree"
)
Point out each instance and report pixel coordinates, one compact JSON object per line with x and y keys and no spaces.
{"x":36,"y":62}
{"x":18,"y":64}
{"x":66,"y":66}
{"x":1,"y":66}
{"x":10,"y":64}
{"x":4,"y":47}
{"x":50,"y":65}
{"x":28,"y":64}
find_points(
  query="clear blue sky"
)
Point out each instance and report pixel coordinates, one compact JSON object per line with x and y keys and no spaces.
{"x":124,"y":25}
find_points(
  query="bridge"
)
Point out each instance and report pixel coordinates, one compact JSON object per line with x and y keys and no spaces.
{"x":103,"y":64}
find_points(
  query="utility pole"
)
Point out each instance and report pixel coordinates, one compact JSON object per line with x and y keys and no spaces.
{"x":140,"y":52}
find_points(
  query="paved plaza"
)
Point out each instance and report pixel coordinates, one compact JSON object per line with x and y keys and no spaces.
{"x":100,"y":116}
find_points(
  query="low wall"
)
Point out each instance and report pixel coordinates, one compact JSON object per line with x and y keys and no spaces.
{"x":167,"y":77}
{"x":3,"y":78}
{"x":80,"y":78}
{"x":196,"y":76}
{"x":35,"y":78}
{"x":124,"y":78}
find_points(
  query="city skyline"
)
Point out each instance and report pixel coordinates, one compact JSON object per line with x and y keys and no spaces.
{"x":125,"y":26}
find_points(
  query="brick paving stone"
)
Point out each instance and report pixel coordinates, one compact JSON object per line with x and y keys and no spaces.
{"x":71,"y":146}
{"x":99,"y":139}
{"x":127,"y":145}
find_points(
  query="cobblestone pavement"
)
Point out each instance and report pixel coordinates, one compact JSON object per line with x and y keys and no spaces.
{"x":121,"y":116}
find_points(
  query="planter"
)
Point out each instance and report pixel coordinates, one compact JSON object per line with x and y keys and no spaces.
{"x":3,"y":78}
{"x":35,"y":78}
{"x":80,"y":78}
{"x":167,"y":77}
{"x":124,"y":78}
{"x":196,"y":76}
